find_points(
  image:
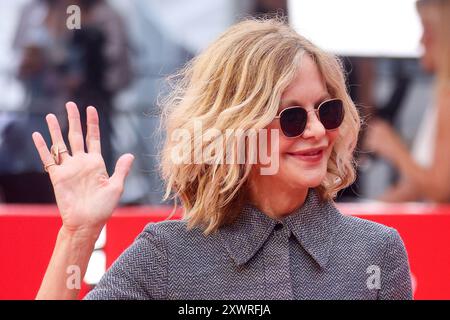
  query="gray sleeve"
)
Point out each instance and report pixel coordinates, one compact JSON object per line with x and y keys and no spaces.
{"x":395,"y":272}
{"x":139,"y":273}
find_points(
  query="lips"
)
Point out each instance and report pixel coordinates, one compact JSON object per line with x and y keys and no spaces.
{"x":308,"y":152}
{"x":309,"y":155}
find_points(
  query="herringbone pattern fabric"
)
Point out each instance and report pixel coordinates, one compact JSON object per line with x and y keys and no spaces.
{"x":314,"y":253}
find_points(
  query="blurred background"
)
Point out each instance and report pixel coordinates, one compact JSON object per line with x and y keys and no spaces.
{"x":396,"y":55}
{"x":119,"y":59}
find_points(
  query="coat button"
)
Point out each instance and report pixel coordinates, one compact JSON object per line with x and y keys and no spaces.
{"x":279,"y":226}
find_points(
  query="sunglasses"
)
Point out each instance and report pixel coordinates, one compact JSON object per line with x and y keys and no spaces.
{"x":293,"y":119}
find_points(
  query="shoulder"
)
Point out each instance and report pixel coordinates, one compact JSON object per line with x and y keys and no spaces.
{"x":382,"y":248}
{"x":172,"y":234}
{"x":374,"y":238}
{"x":162,"y":252}
{"x":365,"y":229}
{"x":141,"y":271}
{"x":169,"y":230}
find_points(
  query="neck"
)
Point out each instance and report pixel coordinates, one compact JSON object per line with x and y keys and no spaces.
{"x":276,"y":201}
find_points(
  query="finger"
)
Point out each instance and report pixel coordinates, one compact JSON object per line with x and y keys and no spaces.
{"x":56,"y":135}
{"x":122,"y":169}
{"x":43,"y":151}
{"x":93,"y":132}
{"x":75,"y":133}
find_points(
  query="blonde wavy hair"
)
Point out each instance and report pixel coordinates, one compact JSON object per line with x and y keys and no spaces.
{"x":237,"y":83}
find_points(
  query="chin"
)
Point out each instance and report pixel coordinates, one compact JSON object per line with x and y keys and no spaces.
{"x":303,"y":174}
{"x":301,"y":179}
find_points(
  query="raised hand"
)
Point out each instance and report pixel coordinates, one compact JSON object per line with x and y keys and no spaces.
{"x":86,"y":196}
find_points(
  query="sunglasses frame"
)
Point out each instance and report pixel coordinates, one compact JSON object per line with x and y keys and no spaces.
{"x":316,"y":111}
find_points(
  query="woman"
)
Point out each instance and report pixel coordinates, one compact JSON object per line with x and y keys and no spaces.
{"x":248,"y":233}
{"x":425,"y":170}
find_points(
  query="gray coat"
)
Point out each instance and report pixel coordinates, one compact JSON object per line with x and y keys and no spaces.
{"x":314,"y":253}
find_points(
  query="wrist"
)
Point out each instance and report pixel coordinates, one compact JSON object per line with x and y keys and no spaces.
{"x":85,"y":235}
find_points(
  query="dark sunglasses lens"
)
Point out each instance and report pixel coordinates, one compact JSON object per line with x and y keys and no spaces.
{"x":293,"y":121}
{"x":331,"y":114}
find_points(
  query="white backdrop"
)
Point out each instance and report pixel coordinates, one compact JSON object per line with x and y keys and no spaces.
{"x":389,"y":28}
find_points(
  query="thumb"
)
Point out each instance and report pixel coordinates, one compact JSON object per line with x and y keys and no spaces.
{"x":122,"y":169}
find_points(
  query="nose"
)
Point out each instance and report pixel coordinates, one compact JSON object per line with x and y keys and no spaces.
{"x":314,"y":128}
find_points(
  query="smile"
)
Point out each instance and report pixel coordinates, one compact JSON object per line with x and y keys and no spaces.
{"x":312,"y":155}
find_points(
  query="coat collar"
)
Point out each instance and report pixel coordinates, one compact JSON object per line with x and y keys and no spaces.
{"x":313,"y":225}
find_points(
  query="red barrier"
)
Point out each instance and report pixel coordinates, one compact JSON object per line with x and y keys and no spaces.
{"x":28,"y":233}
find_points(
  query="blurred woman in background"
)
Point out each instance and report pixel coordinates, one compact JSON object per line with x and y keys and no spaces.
{"x":424,"y":170}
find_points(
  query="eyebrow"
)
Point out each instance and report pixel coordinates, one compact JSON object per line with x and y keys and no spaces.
{"x":292,"y":102}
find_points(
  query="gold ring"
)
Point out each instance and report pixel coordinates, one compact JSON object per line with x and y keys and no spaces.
{"x":48,"y":165}
{"x":54,"y":150}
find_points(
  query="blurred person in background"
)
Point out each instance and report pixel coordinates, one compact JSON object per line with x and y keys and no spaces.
{"x":163,"y":35}
{"x":98,"y":65}
{"x":56,"y":65}
{"x":424,"y":170}
{"x":40,"y":42}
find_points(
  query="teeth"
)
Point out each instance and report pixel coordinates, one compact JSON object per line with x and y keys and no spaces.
{"x":312,"y":153}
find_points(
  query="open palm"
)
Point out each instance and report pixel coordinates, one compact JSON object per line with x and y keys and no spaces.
{"x":86,"y":196}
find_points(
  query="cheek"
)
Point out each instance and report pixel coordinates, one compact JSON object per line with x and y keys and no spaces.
{"x":332,"y":136}
{"x":287,"y":144}
{"x":284,"y":144}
